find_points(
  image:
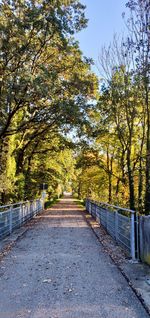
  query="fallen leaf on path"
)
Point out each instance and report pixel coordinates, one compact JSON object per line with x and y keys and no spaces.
{"x":48,"y":280}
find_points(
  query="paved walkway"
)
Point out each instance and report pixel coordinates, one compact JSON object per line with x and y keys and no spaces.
{"x":58,"y":270}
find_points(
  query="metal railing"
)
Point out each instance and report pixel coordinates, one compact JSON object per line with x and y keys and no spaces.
{"x":120,"y":223}
{"x":14,"y":215}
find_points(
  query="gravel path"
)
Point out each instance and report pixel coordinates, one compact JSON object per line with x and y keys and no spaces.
{"x":58,"y":270}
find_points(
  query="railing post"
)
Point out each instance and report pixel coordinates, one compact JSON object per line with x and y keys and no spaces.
{"x":107,"y":216}
{"x":37,"y":207}
{"x":23,"y":212}
{"x":86,"y":205}
{"x":20,"y":214}
{"x":133,"y":236}
{"x":116,"y":225}
{"x":90,"y":207}
{"x":38,"y":201}
{"x":43,"y":204}
{"x":137,"y":237}
{"x":100,"y":213}
{"x":29,"y":210}
{"x":96,"y":213}
{"x":33,"y":207}
{"x":94,"y":210}
{"x":10,"y":220}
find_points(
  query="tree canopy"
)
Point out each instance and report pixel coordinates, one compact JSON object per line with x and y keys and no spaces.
{"x":56,"y":125}
{"x":46,"y":85}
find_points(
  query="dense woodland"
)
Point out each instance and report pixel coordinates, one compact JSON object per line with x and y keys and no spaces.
{"x":62,"y":125}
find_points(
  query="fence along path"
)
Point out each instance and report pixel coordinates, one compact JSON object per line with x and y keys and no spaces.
{"x":120,"y":223}
{"x":59,"y":269}
{"x":14,"y":215}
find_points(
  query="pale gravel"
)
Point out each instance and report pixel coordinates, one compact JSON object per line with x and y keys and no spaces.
{"x":58,"y":269}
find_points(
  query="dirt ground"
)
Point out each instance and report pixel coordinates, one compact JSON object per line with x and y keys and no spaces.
{"x":59,"y":269}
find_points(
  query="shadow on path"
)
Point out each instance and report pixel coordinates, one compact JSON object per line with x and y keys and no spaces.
{"x":59,"y":270}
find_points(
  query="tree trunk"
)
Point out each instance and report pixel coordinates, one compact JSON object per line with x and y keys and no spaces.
{"x":147,"y":172}
{"x":131,"y":181}
{"x":19,"y":161}
{"x":4,"y":150}
{"x":27,"y":184}
{"x":140,"y":189}
{"x":109,"y":169}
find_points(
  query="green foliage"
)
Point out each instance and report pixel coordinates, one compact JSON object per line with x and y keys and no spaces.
{"x":48,"y":94}
{"x":46,"y":87}
{"x":49,"y":203}
{"x":121,"y":131}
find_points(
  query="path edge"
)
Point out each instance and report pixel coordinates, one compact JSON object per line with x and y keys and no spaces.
{"x":94,"y":225}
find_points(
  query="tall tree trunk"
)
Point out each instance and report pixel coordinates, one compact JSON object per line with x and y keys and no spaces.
{"x":110,"y":188}
{"x":140,"y":188}
{"x":147,"y":172}
{"x":131,"y":180}
{"x":19,"y":161}
{"x":4,"y":150}
{"x":109,"y":169}
{"x":27,"y":185}
{"x":117,"y":187}
{"x":140,"y":175}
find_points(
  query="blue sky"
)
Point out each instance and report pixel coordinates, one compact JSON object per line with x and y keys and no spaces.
{"x":105,"y":19}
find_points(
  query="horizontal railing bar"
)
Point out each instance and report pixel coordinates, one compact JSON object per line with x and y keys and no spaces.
{"x":113,"y":206}
{"x":17,"y":203}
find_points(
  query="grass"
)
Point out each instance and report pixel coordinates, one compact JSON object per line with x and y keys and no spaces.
{"x":50,"y":202}
{"x":80,"y":202}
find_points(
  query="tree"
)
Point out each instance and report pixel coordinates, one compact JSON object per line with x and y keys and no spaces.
{"x":46,"y":83}
{"x":139,"y":43}
{"x":122,"y":113}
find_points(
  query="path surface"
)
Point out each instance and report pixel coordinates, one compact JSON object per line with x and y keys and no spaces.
{"x":59,"y":270}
